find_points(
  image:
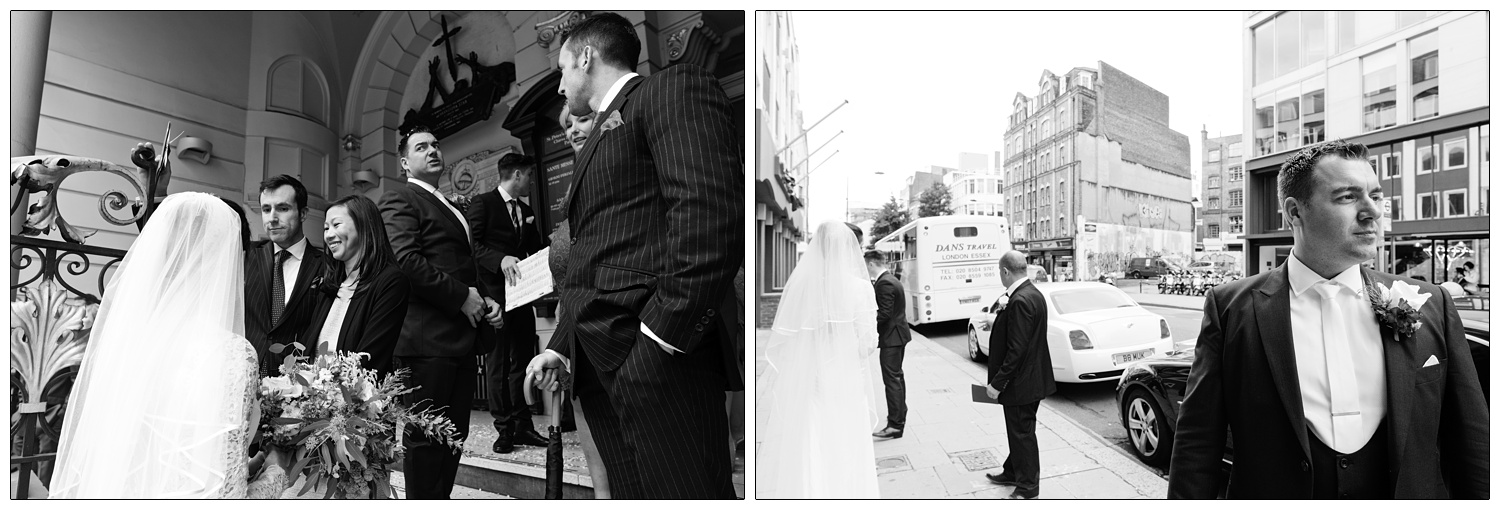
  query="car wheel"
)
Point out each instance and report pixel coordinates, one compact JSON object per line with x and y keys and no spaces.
{"x":974,"y":353}
{"x":1147,"y":428}
{"x":1135,"y":275}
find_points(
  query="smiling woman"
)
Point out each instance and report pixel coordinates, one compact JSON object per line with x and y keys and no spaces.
{"x":362,"y":298}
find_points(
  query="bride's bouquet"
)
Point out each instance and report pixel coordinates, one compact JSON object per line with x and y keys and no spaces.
{"x":344,"y":428}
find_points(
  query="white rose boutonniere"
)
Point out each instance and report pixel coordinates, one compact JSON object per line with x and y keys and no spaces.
{"x":1397,"y":306}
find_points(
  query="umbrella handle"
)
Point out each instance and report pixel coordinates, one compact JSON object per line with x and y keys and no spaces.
{"x":557,"y":408}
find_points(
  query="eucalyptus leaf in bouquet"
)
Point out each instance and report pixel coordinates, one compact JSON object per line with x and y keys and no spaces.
{"x":344,"y":427}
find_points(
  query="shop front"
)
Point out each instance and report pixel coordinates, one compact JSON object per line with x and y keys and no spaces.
{"x":1053,"y":255}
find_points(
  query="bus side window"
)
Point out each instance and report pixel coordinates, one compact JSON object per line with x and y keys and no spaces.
{"x":965,"y":231}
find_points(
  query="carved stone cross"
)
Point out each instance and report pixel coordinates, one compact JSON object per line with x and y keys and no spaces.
{"x":445,"y":40}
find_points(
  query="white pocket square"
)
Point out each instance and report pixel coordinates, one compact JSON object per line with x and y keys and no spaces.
{"x":1431,"y":360}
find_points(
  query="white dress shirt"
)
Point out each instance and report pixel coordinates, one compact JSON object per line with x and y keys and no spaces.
{"x":1365,"y":348}
{"x":328,"y":337}
{"x":1013,"y":285}
{"x":614,"y":90}
{"x":511,"y":210}
{"x":291,"y":268}
{"x":444,"y":200}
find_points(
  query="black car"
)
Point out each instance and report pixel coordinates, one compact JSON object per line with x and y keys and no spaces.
{"x":1151,"y":390}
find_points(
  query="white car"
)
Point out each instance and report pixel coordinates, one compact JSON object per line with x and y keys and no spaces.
{"x":1201,"y":267}
{"x":1093,"y":331}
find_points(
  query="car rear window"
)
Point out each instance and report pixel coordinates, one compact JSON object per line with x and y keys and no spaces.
{"x":1083,"y":300}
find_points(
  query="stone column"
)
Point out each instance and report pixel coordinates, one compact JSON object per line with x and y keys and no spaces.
{"x":29,"y":31}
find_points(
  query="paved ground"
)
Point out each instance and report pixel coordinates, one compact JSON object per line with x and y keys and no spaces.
{"x":951,"y":442}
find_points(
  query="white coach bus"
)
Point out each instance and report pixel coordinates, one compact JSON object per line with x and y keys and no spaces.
{"x":949,"y":265}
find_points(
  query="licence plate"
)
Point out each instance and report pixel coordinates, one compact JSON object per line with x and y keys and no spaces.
{"x":968,"y":300}
{"x":1127,"y":357}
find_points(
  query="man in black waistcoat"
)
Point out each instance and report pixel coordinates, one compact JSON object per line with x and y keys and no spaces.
{"x":1337,"y":380}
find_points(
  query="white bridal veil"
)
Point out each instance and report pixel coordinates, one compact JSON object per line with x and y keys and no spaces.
{"x":161,"y":387}
{"x":817,"y":438}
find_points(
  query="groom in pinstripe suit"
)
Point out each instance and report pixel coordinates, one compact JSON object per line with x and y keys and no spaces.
{"x":657,"y":216}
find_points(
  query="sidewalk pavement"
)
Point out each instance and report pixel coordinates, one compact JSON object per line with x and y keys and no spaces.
{"x":950,"y":442}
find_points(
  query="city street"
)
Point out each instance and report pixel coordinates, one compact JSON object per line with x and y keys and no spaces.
{"x":1091,"y":405}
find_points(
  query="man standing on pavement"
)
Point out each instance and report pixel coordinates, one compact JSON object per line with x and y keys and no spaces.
{"x":1020,"y":375}
{"x":1338,"y":381}
{"x":894,"y":333}
{"x":505,"y":233}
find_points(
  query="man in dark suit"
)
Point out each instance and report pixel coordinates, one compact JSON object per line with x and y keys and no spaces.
{"x":440,"y":336}
{"x":279,"y":274}
{"x":505,"y":233}
{"x":894,"y":334}
{"x":1020,"y":375}
{"x":1327,"y":400}
{"x":657,"y":218}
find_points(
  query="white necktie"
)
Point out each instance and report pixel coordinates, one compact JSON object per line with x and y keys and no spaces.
{"x":1343,"y":389}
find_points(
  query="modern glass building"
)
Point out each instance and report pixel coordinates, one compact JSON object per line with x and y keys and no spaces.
{"x":1414,"y":88}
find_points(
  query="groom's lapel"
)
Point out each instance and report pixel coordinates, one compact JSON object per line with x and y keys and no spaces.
{"x":590,"y":147}
{"x":1273,"y":320}
{"x":1400,"y":376}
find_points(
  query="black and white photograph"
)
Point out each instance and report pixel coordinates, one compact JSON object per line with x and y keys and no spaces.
{"x":1121,"y":255}
{"x":378,"y":254}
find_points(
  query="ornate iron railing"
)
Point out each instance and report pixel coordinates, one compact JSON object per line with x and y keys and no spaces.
{"x":52,"y":310}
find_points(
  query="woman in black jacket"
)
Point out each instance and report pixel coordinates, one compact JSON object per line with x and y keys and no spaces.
{"x":363,"y":299}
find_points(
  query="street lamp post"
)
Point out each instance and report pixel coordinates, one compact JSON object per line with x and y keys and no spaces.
{"x":1195,"y":237}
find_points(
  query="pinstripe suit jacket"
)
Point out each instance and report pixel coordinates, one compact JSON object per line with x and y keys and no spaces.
{"x":294,"y":317}
{"x":656,"y":211}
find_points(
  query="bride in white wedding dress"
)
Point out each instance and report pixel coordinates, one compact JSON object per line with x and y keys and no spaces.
{"x":164,"y":405}
{"x":816,"y":442}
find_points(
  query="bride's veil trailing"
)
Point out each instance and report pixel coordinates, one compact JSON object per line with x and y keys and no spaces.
{"x":818,"y":442}
{"x":155,"y":399}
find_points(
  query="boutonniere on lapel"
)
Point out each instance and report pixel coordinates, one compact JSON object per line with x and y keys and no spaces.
{"x":460,"y":202}
{"x":612,"y":122}
{"x":317,"y":285}
{"x":1396,"y":307}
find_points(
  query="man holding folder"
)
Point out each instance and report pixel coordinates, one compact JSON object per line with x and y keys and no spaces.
{"x":505,"y":233}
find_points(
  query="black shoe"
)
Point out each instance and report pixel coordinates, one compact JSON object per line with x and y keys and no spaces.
{"x":888,"y":433}
{"x":503,"y":444}
{"x":1018,"y":494}
{"x":1001,"y":479}
{"x":528,"y":437}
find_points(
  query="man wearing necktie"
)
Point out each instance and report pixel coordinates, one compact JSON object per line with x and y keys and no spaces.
{"x":279,"y":274}
{"x":440,"y":337}
{"x":505,"y":232}
{"x":1327,"y":399}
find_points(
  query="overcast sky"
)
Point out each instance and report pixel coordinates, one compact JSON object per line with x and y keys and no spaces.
{"x":923,"y":87}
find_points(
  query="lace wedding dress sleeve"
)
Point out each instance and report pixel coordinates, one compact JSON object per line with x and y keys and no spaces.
{"x":272,"y":481}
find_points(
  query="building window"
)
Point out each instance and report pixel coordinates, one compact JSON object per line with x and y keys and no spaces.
{"x":1236,"y":198}
{"x":1287,"y":113}
{"x":1213,"y":230}
{"x":1236,"y":224}
{"x":1213,"y":156}
{"x":1456,"y":201}
{"x":1359,"y":27}
{"x":1380,"y":90}
{"x":1455,"y":153}
{"x":1312,"y":116}
{"x":1213,"y":181}
{"x":1425,"y":161}
{"x":1236,"y":173}
{"x":1395,"y":202}
{"x":1235,"y":150}
{"x":1429,"y":206}
{"x":1424,"y":76}
{"x":1390,"y":165}
{"x":1213,"y":202}
{"x":1265,"y":125}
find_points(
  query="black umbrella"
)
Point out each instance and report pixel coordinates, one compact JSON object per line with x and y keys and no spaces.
{"x":554,"y":438}
{"x":555,"y":449}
